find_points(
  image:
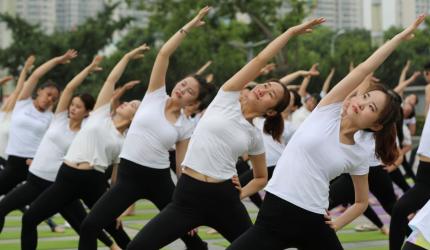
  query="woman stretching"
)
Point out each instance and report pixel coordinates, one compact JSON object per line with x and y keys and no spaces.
{"x":95,"y":147}
{"x":297,"y":195}
{"x":144,"y":171}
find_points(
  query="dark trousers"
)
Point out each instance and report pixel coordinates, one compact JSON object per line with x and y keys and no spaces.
{"x":15,"y":172}
{"x":134,"y":182}
{"x":195,"y":203}
{"x":399,"y":179}
{"x":246,"y":177}
{"x":281,"y":225}
{"x":410,"y":202}
{"x":71,"y":184}
{"x":380,"y":185}
{"x":411,"y":246}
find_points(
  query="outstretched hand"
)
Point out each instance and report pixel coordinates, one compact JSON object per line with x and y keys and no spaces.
{"x":408,"y":33}
{"x":306,"y":27}
{"x":129,"y":85}
{"x":197,"y":20}
{"x":138,"y":52}
{"x":29,"y":62}
{"x":5,"y":79}
{"x":267,"y":69}
{"x":68,"y":56}
{"x":94,"y":66}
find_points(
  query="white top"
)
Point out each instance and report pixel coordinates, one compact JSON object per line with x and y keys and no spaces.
{"x":5,"y":119}
{"x":53,"y":147}
{"x":272,"y":147}
{"x":411,"y":120}
{"x":151,"y":135}
{"x":421,"y":221}
{"x":299,"y":116}
{"x":221,"y":136}
{"x":424,"y":147}
{"x":367,"y":139}
{"x":27,"y":127}
{"x":407,"y":138}
{"x":98,"y":142}
{"x":313,"y":157}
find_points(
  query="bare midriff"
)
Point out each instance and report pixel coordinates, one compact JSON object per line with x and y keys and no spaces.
{"x":424,"y":158}
{"x":199,"y":176}
{"x":81,"y":165}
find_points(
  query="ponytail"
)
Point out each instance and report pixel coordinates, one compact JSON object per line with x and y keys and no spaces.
{"x":274,"y":126}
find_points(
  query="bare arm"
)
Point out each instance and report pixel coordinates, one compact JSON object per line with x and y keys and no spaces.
{"x":305,"y":83}
{"x":259,"y":170}
{"x":252,"y":69}
{"x":327,"y":82}
{"x":119,"y":92}
{"x":403,"y":84}
{"x":159,"y":70}
{"x":114,"y":175}
{"x":361,"y":188}
{"x":70,"y":88}
{"x":287,"y":79}
{"x":203,"y":68}
{"x":10,"y":104}
{"x":3,"y":81}
{"x":107,"y":91}
{"x":356,"y":76}
{"x":181,"y":149}
{"x":32,"y":81}
{"x":405,"y":69}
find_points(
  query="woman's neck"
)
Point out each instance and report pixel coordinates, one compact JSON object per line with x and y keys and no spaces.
{"x":173,"y":106}
{"x":347,"y":131}
{"x":247,"y":111}
{"x":75,"y":125}
{"x":36,"y":105}
{"x":120,"y":123}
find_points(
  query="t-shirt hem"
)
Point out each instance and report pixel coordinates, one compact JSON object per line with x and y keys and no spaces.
{"x":299,"y":204}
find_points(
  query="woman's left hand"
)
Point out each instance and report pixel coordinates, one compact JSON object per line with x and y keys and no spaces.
{"x":236,"y":183}
{"x":329,"y":221}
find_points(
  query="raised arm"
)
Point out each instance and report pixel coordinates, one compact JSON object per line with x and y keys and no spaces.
{"x":119,"y":92}
{"x":42,"y":70}
{"x":427,"y":104}
{"x":159,"y":70}
{"x":356,"y":76}
{"x":252,"y":69}
{"x":405,"y":69}
{"x":287,"y":79}
{"x":10,"y":103}
{"x":327,"y":82}
{"x":305,"y":83}
{"x":70,"y":88}
{"x":203,"y":68}
{"x":5,"y":79}
{"x":403,"y":84}
{"x":107,"y":91}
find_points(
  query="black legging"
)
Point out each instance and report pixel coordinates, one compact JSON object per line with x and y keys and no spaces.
{"x":380,"y":185}
{"x":195,"y":203}
{"x":15,"y":172}
{"x":134,"y":182}
{"x":29,"y":191}
{"x":408,"y":168}
{"x":71,"y":184}
{"x":399,"y":179}
{"x":281,"y":225}
{"x":246,"y":177}
{"x":410,"y":202}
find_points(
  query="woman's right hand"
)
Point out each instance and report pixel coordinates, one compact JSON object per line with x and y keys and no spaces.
{"x":68,"y":56}
{"x":138,"y":52}
{"x":94,"y":66}
{"x":408,"y":33}
{"x":197,"y":20}
{"x":306,"y":27}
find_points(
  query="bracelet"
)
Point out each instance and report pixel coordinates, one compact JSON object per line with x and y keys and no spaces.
{"x":183,"y":31}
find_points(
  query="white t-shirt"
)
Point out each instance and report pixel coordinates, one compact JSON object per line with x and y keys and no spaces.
{"x":27,"y":127}
{"x":411,"y":120}
{"x":151,"y":135}
{"x":272,"y":147}
{"x":5,"y":119}
{"x":54,"y":146}
{"x":221,"y":136}
{"x":424,"y":147}
{"x":299,"y":116}
{"x":367,"y":139}
{"x":421,"y":221}
{"x":98,"y":142}
{"x":313,"y":157}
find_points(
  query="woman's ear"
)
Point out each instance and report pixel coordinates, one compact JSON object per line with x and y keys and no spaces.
{"x":376,"y":127}
{"x":271,"y":112}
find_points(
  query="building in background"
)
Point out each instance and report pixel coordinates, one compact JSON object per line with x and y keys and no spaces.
{"x":340,"y":14}
{"x":9,"y":7}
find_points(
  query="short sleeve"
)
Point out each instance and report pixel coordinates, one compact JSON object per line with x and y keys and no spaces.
{"x":22,"y":103}
{"x":257,"y":144}
{"x":156,"y":94}
{"x":225,"y":98}
{"x":361,"y":169}
{"x":186,"y":131}
{"x":101,"y":112}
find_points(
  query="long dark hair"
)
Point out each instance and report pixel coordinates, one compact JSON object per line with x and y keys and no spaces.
{"x":385,"y":139}
{"x":274,"y":125}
